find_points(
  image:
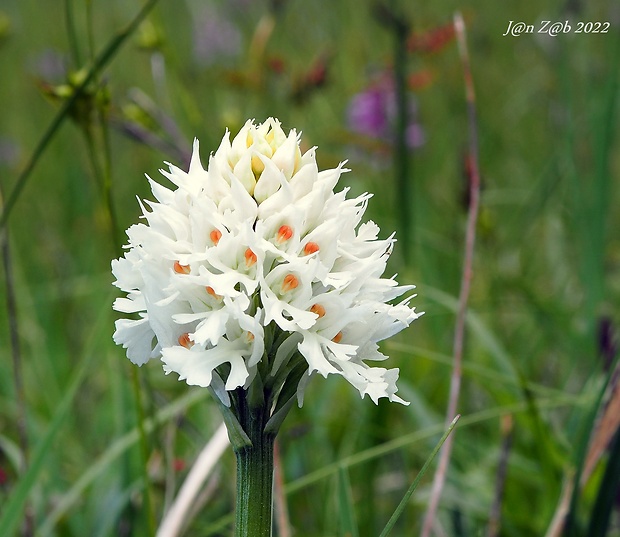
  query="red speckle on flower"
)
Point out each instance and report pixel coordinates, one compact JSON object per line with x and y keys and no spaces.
{"x":184,"y":341}
{"x":310,"y":248}
{"x":215,"y":236}
{"x":181,"y":269}
{"x":250,"y":258}
{"x":178,"y":465}
{"x":210,"y":291}
{"x":289,"y":283}
{"x":284,"y":234}
{"x":318,"y":310}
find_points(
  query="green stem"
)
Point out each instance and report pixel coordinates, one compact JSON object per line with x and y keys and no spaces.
{"x":18,"y":379}
{"x":401,"y":153}
{"x":106,"y":183}
{"x":73,"y":41}
{"x":253,"y":511}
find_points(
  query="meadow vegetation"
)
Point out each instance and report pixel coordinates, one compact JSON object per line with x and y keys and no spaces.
{"x":78,"y":420}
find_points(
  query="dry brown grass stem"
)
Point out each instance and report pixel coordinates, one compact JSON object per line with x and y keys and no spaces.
{"x":470,"y":239}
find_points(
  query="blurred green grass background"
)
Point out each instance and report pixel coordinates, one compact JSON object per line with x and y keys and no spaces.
{"x":544,"y":305}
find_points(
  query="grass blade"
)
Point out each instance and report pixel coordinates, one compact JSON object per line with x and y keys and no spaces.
{"x":116,"y":449}
{"x":11,"y":516}
{"x":481,"y":416}
{"x":403,"y":503}
{"x":607,"y":493}
{"x":348,"y":521}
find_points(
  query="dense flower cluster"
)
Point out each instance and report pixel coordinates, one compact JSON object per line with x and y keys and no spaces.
{"x":256,"y":263}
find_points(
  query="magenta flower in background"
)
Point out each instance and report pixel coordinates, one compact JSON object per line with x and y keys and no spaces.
{"x":367,"y":113}
{"x":372,"y":113}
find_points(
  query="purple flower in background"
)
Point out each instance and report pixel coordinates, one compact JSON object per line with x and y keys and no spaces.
{"x":372,"y":113}
{"x":415,"y":135}
{"x":367,"y":113}
{"x":216,"y":38}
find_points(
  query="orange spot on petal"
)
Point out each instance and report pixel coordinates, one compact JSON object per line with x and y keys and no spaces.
{"x":289,"y":283}
{"x":337,"y":337}
{"x":250,"y":258}
{"x":184,"y":341}
{"x":310,"y":248}
{"x":213,"y":293}
{"x":181,"y":269}
{"x":318,"y":310}
{"x":284,"y":234}
{"x":215,"y":236}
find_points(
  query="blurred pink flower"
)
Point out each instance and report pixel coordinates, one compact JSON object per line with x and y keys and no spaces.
{"x":372,"y":113}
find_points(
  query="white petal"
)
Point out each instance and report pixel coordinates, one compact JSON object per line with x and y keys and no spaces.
{"x":312,"y":351}
{"x":137,"y":337}
{"x":212,"y":328}
{"x":270,"y":180}
{"x":196,"y":366}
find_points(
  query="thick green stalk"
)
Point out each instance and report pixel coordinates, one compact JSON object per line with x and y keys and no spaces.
{"x":253,"y":512}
